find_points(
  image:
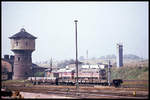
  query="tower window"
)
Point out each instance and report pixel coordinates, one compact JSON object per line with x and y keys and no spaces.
{"x":5,"y":70}
{"x":25,"y":73}
{"x":18,"y":58}
{"x":16,"y":43}
{"x":26,"y":43}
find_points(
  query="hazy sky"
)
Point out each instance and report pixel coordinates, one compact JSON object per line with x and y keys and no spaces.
{"x":100,"y":26}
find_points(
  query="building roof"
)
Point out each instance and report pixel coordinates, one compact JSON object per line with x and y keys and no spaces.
{"x":23,"y":34}
{"x":7,"y":60}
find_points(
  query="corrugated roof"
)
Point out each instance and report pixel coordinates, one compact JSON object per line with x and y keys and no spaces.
{"x":22,"y":34}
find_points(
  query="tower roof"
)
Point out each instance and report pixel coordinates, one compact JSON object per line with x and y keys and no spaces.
{"x":22,"y":34}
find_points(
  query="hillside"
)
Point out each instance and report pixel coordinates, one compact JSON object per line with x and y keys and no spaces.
{"x":130,"y":73}
{"x":125,"y":56}
{"x":134,"y":68}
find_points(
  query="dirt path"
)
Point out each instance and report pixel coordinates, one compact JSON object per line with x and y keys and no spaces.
{"x":41,"y":95}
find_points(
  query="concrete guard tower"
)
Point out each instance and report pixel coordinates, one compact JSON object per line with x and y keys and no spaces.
{"x":22,"y":44}
{"x":119,"y":56}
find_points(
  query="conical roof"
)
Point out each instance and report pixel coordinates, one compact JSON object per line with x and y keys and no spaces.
{"x":22,"y":34}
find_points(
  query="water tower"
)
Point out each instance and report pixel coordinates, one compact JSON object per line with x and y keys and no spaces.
{"x":22,"y":44}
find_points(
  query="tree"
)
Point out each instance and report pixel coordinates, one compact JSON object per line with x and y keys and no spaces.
{"x":39,"y":74}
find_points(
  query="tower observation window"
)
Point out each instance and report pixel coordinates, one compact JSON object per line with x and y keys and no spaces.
{"x":26,"y":43}
{"x":16,"y":43}
{"x":25,"y":73}
{"x":18,"y":58}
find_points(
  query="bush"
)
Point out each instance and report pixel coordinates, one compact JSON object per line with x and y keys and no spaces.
{"x":39,"y":74}
{"x":129,"y":73}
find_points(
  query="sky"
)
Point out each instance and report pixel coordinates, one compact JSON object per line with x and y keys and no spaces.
{"x":101,"y":25}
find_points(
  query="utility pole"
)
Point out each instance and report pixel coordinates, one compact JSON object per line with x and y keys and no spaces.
{"x":87,"y":56}
{"x":77,"y":84}
{"x":109,"y":73}
{"x":51,"y":64}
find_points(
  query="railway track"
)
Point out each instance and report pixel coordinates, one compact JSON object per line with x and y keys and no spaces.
{"x":93,"y":95}
{"x":84,"y":91}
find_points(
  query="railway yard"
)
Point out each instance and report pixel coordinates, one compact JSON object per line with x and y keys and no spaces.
{"x":134,"y":89}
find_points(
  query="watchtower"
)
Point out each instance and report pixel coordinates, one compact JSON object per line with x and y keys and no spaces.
{"x":22,"y":44}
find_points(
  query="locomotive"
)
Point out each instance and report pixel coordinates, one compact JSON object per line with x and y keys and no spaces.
{"x":84,"y":78}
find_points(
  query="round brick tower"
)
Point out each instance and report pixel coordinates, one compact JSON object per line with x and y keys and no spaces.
{"x":22,"y":44}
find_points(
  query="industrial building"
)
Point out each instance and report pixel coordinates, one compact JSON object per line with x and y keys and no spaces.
{"x":22,"y":44}
{"x":119,"y":57}
{"x":7,"y":64}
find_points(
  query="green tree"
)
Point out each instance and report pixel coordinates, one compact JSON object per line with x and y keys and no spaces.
{"x":39,"y":74}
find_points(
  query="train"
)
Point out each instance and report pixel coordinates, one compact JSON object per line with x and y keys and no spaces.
{"x":84,"y":78}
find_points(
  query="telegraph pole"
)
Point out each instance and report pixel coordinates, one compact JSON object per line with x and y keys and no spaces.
{"x":51,"y":64}
{"x":87,"y":56}
{"x":109,"y":73}
{"x":77,"y":84}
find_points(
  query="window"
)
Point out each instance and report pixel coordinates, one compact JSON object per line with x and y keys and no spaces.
{"x":56,"y":74}
{"x":5,"y":70}
{"x":18,"y":58}
{"x":25,"y":73}
{"x":26,"y":43}
{"x":16,"y":43}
